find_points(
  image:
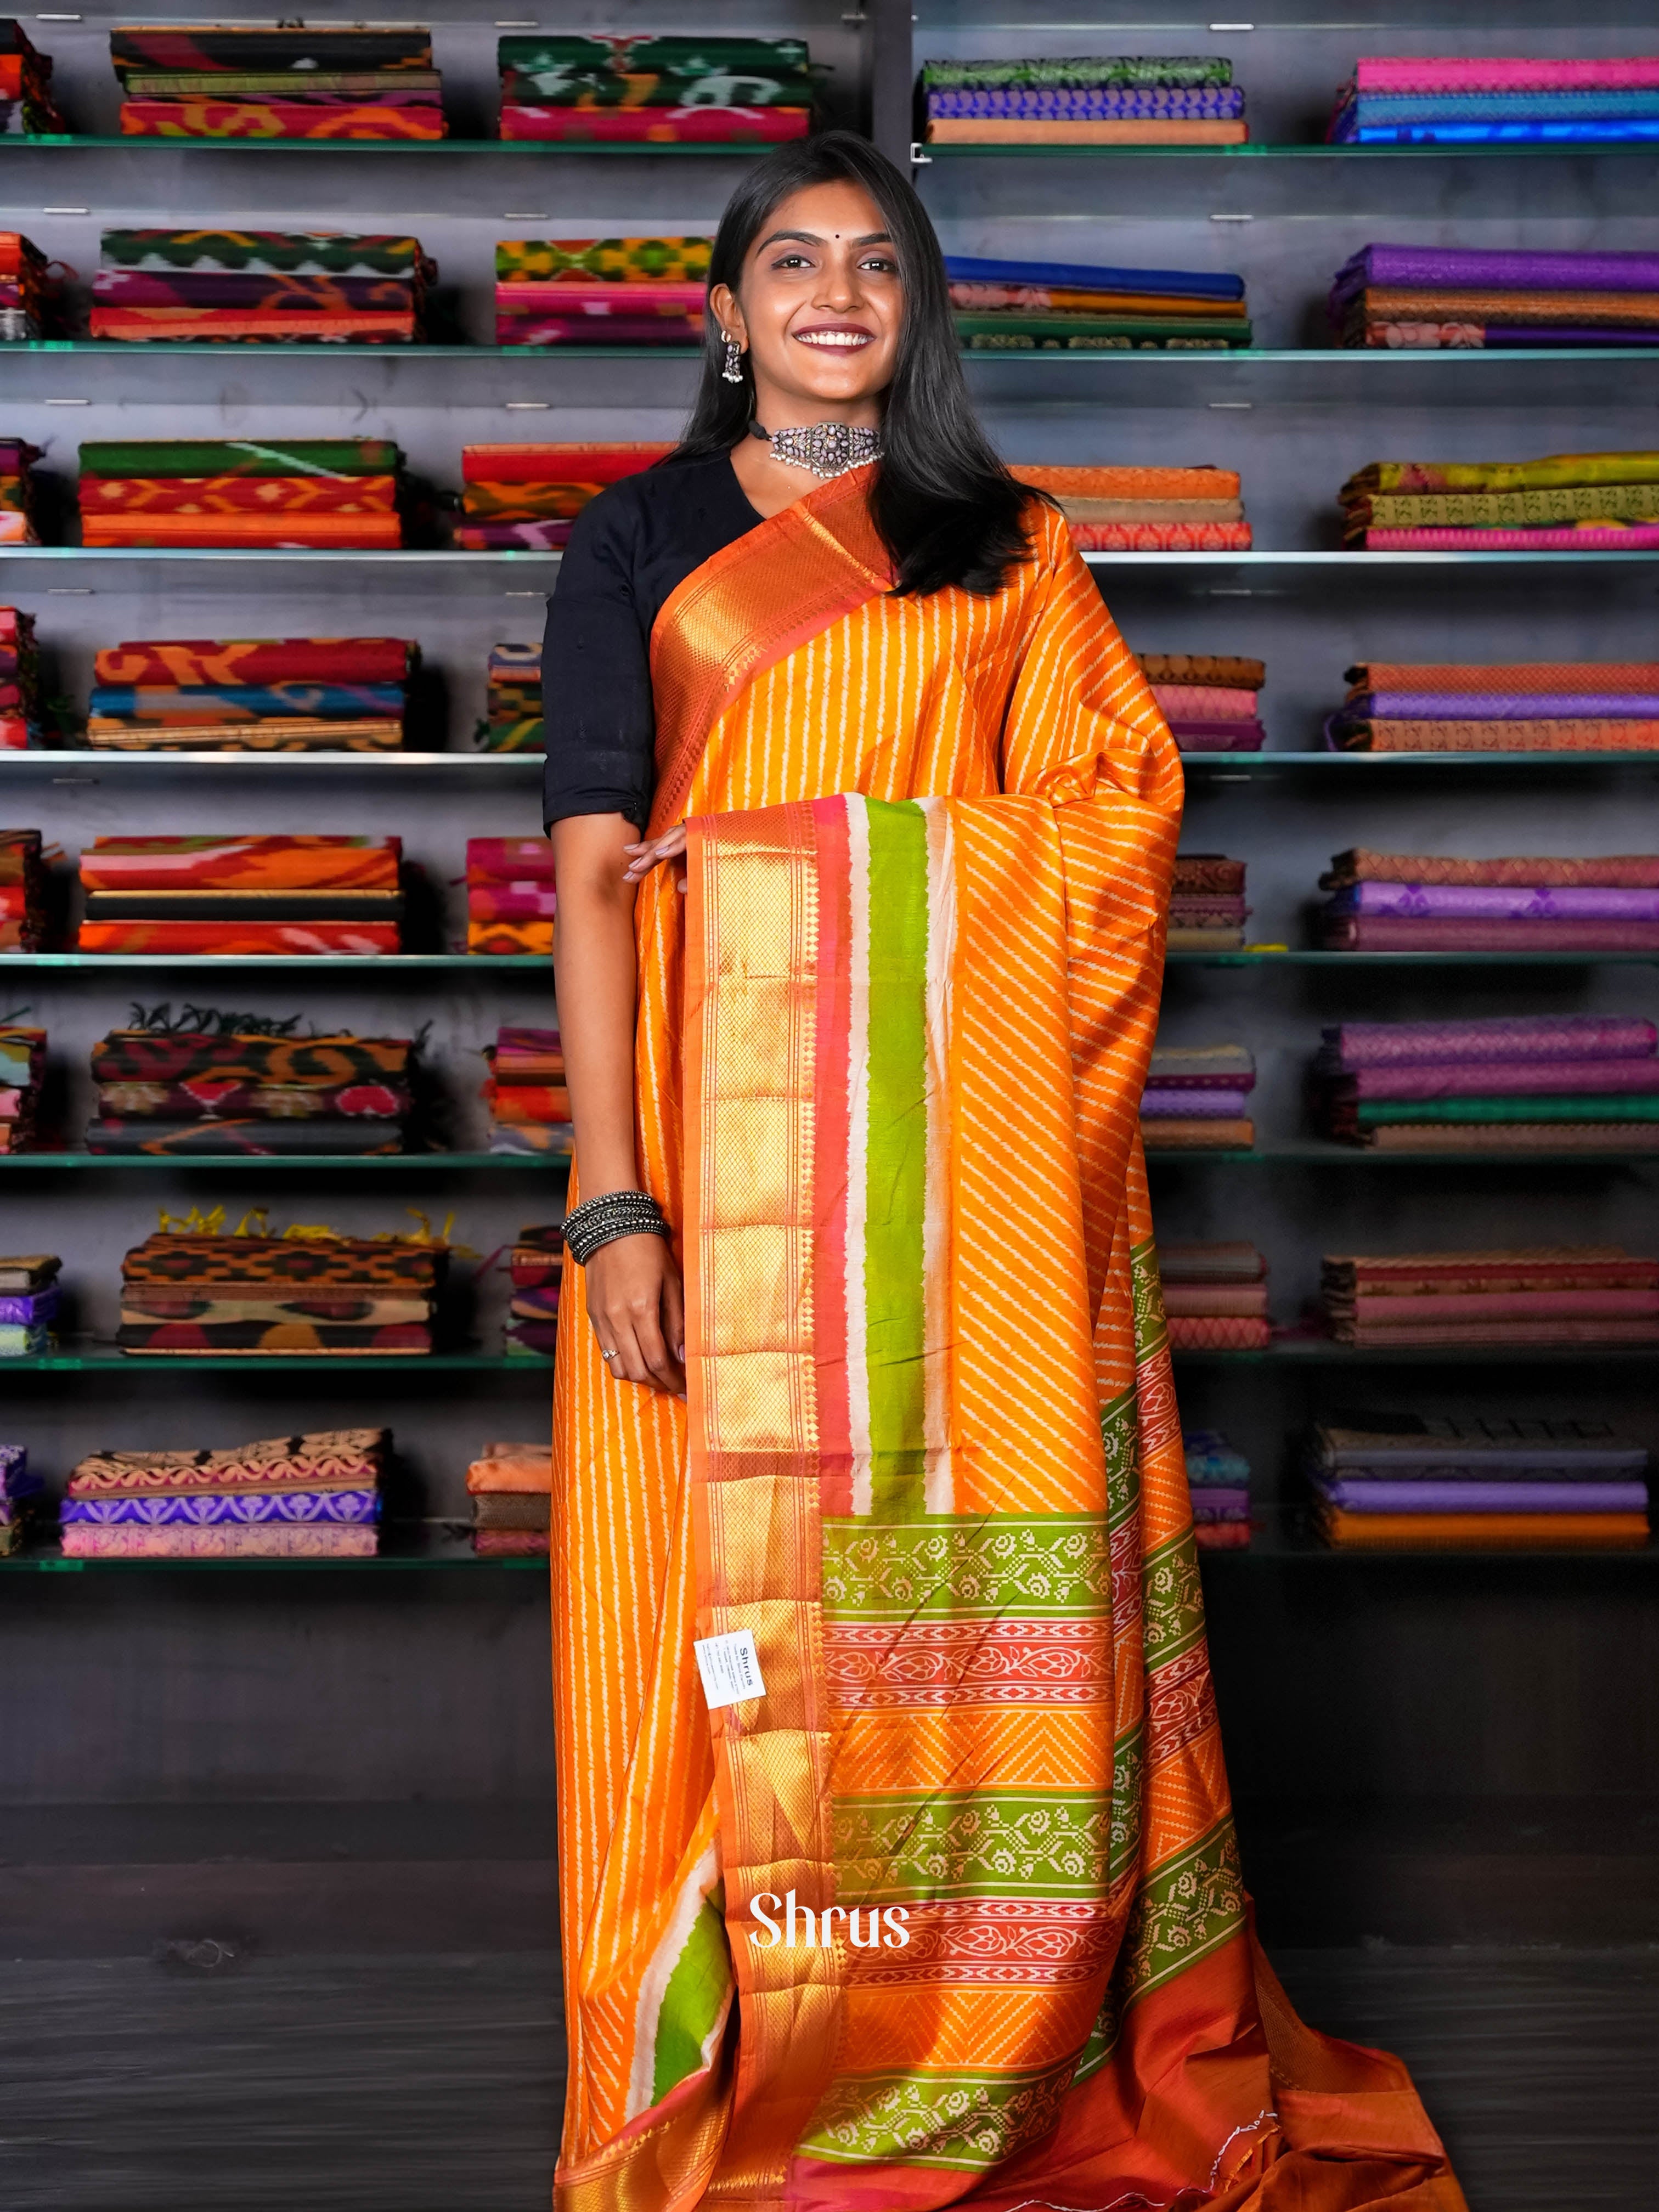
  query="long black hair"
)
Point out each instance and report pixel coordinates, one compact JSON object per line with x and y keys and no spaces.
{"x":947,"y":508}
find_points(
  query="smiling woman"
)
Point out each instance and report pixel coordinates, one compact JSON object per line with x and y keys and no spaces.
{"x":863,"y":1414}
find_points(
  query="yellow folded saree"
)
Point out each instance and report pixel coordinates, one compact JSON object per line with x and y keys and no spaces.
{"x":950,"y":1912}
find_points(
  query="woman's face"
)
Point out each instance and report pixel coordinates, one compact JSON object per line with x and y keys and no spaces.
{"x":818,"y":306}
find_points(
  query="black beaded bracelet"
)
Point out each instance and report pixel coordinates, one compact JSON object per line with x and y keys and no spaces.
{"x":614,"y":1213}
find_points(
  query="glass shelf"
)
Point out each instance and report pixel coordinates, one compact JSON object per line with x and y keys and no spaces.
{"x":451,"y":148}
{"x":923,"y":154}
{"x":416,"y":1550}
{"x":95,"y":1359}
{"x":283,"y":963}
{"x":1314,"y":1152}
{"x":1322,"y":1351}
{"x":395,"y":573}
{"x":1559,"y":379}
{"x":1238,"y":768}
{"x":85,"y":764}
{"x":1371,"y":961}
{"x":241,"y":1163}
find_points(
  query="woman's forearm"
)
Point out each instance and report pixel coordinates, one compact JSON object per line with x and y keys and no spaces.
{"x":594,"y":965}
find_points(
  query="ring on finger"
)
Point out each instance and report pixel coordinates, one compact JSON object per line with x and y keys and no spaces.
{"x":610,"y":1355}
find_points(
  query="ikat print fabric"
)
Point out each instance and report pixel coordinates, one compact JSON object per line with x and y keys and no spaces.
{"x":26,"y":107}
{"x":1414,"y":99}
{"x":23,"y":891}
{"x":630,"y":89}
{"x":23,"y":1070}
{"x":242,"y":895}
{"x":536,"y":1266}
{"x":277,"y":81}
{"x":196,"y":1295}
{"x":16,"y":528}
{"x":513,"y":710}
{"x":511,"y":896}
{"x":250,"y":287}
{"x":529,"y":1103}
{"x":1141,"y":509}
{"x":601,"y":291}
{"x":1003,"y":307}
{"x":252,"y":695}
{"x":527,"y":497}
{"x":20,"y":719}
{"x":1123,"y":99}
{"x":346,"y":494}
{"x":27,"y":294}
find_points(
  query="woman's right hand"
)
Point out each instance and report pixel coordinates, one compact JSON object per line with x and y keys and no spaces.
{"x":636,"y":1305}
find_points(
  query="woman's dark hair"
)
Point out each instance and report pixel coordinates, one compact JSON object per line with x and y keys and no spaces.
{"x":947,"y":508}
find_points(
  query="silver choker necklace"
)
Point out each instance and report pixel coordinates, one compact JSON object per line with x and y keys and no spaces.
{"x":828,"y":449}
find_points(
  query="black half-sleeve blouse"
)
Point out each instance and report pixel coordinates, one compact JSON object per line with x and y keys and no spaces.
{"x":630,"y":548}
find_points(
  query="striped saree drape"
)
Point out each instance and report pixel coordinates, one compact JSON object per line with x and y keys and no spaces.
{"x":891,"y":1049}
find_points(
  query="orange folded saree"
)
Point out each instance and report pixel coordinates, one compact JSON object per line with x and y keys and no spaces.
{"x":979,"y":1800}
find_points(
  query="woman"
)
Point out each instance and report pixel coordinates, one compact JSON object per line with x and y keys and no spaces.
{"x":864,"y":821}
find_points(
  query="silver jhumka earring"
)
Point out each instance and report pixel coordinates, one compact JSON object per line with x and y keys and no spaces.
{"x":733,"y":372}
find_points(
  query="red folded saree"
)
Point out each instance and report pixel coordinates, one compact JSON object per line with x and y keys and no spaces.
{"x":296,"y":533}
{"x":277,"y":119}
{"x":642,"y":126}
{"x":241,"y":863}
{"x":281,"y":496}
{"x":257,"y":660}
{"x":559,"y":463}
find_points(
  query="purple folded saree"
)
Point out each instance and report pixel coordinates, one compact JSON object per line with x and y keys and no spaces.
{"x":1432,"y":1495}
{"x":1500,"y":1038}
{"x":1217,"y":1502}
{"x":1497,"y":902}
{"x":1218,"y":737}
{"x":1499,"y":1079}
{"x":1394,"y":932}
{"x":1472,"y":268}
{"x":1157,"y":1102}
{"x":1499,"y":706}
{"x":245,"y":1509}
{"x":31,"y":1310}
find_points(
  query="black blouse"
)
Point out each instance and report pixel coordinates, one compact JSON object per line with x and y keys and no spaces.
{"x":630,"y":548}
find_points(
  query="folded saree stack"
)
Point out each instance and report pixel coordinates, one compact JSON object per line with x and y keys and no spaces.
{"x":510,"y":898}
{"x":1441,"y":296}
{"x":28,"y":1303}
{"x":1004,"y":307}
{"x":1499,"y":707}
{"x":1495,"y":99}
{"x":22,"y":1069}
{"x":242,"y":895}
{"x":1565,"y":503}
{"x":22,"y":891}
{"x":1430,"y":902}
{"x":1207,"y":911}
{"x":1215,"y":1297}
{"x":1146,"y":510}
{"x":1575,"y":1083}
{"x":1198,"y":1098}
{"x":526,"y":497}
{"x":20,"y":1497}
{"x":513,"y":700}
{"x":23,"y":312}
{"x":536,"y":1265}
{"x":277,"y":81}
{"x":511,"y":1486}
{"x":1476,"y":1484}
{"x":1586,"y":1295}
{"x":226,"y":1085}
{"x":17,"y":517}
{"x":301,"y":1496}
{"x":184,"y":1293}
{"x":250,"y":287}
{"x":20,"y":681}
{"x":600,"y":291}
{"x":26,"y":107}
{"x":627,"y":88}
{"x":1219,"y":1477}
{"x":1210,"y":701}
{"x":342,"y":493}
{"x":252,"y":695}
{"x":1087,"y":99}
{"x":528,"y":1101}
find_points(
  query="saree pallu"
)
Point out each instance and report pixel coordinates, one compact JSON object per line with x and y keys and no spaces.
{"x":272,"y":119}
{"x":606,"y":261}
{"x":957,"y":1525}
{"x":512,"y":902}
{"x":245,"y":703}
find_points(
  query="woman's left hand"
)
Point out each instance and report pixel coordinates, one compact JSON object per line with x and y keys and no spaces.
{"x":651,"y":853}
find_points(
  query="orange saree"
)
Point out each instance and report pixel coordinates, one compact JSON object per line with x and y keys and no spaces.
{"x":948,"y":1912}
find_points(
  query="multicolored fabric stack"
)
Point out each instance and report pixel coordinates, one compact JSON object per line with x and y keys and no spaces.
{"x":228,"y":1083}
{"x":1585,"y":1295}
{"x":1215,"y":1297}
{"x":513,"y":703}
{"x":248,"y":287}
{"x":20,"y":681}
{"x":1427,"y":902}
{"x":511,"y":1486}
{"x":28,"y":1303}
{"x":304,"y":1497}
{"x":26,"y":107}
{"x":1015,"y":307}
{"x":537,"y":1266}
{"x":1497,"y":706}
{"x":16,"y":512}
{"x":639,"y":89}
{"x":1477,"y":1484}
{"x":23,"y":1068}
{"x":1495,"y":99}
{"x":1447,"y":296}
{"x":23,"y":313}
{"x":528,"y":1101}
{"x":510,"y":898}
{"x":1575,"y":1083}
{"x":601,"y":291}
{"x":277,"y":81}
{"x":1198,"y":1099}
{"x":1146,"y":510}
{"x":191,"y":1294}
{"x":1207,"y":911}
{"x":287,"y":695}
{"x":1566,"y":503}
{"x":20,"y":1496}
{"x":22,"y":891}
{"x":1219,"y":1477}
{"x":1090,"y":100}
{"x":299,"y":492}
{"x":526,"y":497}
{"x":242,"y":895}
{"x":1210,"y":701}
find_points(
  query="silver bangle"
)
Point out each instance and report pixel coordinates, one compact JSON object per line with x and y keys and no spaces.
{"x":612,"y":1215}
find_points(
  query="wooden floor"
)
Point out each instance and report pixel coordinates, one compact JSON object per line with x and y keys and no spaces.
{"x":429,"y":2084}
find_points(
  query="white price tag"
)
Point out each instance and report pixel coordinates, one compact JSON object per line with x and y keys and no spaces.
{"x":730,"y":1666}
